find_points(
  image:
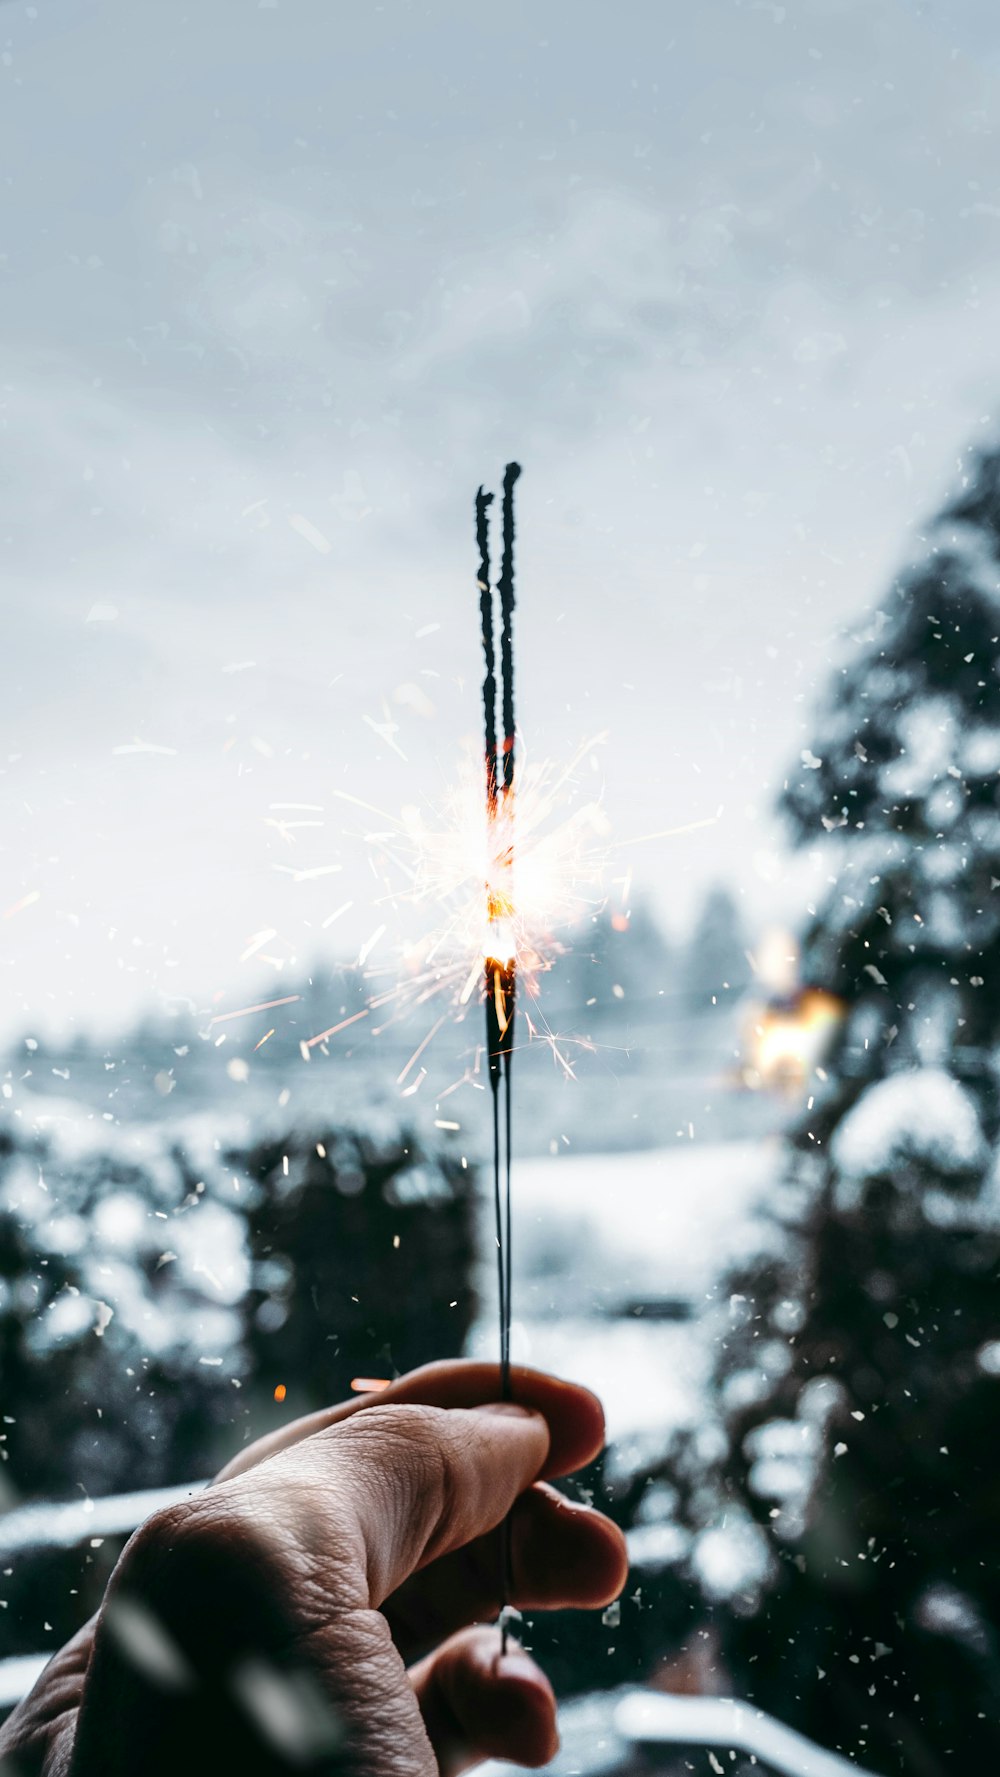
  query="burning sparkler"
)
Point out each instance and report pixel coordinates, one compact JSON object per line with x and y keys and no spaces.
{"x":500,"y":949}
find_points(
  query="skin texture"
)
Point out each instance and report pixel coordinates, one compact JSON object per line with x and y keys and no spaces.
{"x":326,"y":1605}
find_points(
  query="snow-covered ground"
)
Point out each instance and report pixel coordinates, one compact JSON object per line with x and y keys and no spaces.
{"x":600,"y":1242}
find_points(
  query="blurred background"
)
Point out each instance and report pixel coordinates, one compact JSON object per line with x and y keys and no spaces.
{"x":281,"y":285}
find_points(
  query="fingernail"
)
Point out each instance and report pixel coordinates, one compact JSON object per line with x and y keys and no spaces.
{"x":512,"y":1409}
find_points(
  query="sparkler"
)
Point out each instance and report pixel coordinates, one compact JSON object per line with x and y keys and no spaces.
{"x":497,"y":912}
{"x":500,"y":950}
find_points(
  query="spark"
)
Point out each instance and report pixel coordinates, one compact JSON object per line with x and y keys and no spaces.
{"x":415,"y":1057}
{"x":468,"y":1079}
{"x":709,"y":820}
{"x":366,"y":949}
{"x":258,"y":941}
{"x":386,"y":730}
{"x":310,"y":532}
{"x":369,"y":807}
{"x":263,"y":1006}
{"x":312,"y":875}
{"x":311,"y":1042}
{"x":287,"y":828}
{"x":27,"y":900}
{"x":264,"y":1039}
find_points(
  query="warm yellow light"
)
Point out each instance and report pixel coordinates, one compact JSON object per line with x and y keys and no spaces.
{"x":788,"y":1041}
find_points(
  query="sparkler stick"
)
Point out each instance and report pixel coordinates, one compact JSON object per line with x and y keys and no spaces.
{"x":500,"y":961}
{"x":483,"y":503}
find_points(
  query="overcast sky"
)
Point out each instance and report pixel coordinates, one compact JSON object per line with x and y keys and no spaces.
{"x":281,"y":281}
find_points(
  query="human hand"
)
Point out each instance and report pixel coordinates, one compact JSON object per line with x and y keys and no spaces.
{"x":323,"y":1606}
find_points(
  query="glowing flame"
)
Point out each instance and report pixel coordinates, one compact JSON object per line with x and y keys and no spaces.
{"x":500,"y":947}
{"x":488,"y":896}
{"x":501,"y":942}
{"x":460,"y":865}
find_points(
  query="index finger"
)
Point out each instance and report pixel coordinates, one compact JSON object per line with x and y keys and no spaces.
{"x":575,"y":1417}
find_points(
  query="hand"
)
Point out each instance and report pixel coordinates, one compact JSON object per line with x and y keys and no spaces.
{"x":322,"y":1607}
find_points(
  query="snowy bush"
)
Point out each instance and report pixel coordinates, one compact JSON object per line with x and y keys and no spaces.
{"x":362,"y":1249}
{"x":124,"y":1261}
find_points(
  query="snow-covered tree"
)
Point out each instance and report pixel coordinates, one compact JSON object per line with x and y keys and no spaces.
{"x":611,"y":960}
{"x":714,"y":968}
{"x":124,"y":1262}
{"x":170,"y":1290}
{"x":860,"y":1378}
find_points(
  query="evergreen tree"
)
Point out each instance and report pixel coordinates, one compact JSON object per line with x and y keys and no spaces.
{"x":715,"y":966}
{"x":859,"y":1382}
{"x":613,"y":960}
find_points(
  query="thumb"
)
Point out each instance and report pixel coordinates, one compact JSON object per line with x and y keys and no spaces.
{"x":418,"y":1481}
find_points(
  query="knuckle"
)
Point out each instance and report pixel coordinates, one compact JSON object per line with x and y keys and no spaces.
{"x":158,"y":1535}
{"x":195,"y":1531}
{"x":208,"y":1575}
{"x":411,"y":1434}
{"x":413,"y":1445}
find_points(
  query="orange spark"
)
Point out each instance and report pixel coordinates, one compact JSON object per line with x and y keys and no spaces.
{"x":415,"y":1057}
{"x":369,"y":1384}
{"x":263,"y":1006}
{"x":311,"y":1042}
